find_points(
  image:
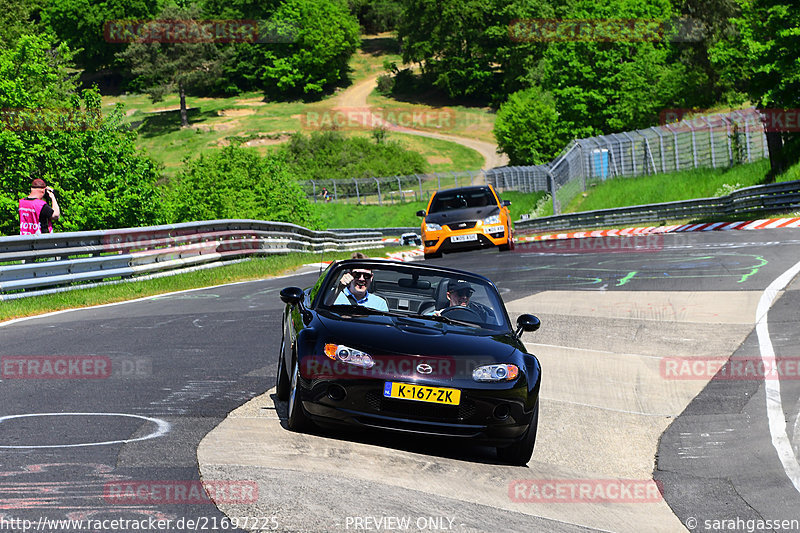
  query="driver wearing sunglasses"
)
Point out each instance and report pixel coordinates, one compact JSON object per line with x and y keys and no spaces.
{"x":354,"y":287}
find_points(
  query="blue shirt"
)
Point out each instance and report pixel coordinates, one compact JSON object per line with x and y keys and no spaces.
{"x":370,"y":300}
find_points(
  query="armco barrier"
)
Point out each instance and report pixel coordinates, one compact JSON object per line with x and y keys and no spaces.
{"x":35,"y":264}
{"x":773,"y":198}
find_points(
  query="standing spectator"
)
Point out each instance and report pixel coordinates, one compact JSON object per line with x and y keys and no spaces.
{"x":35,"y":214}
{"x":326,"y":195}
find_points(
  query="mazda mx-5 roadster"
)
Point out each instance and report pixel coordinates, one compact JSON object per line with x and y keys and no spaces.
{"x":412,"y":348}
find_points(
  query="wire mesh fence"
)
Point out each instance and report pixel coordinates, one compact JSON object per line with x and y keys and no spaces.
{"x":711,"y":141}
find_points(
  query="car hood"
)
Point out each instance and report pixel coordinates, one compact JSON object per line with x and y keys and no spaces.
{"x":462,"y":215}
{"x":379,"y":334}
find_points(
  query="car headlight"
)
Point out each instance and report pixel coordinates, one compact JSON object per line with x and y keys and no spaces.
{"x":351,"y":356}
{"x":495,"y":373}
{"x":494,"y":219}
{"x":430,"y":226}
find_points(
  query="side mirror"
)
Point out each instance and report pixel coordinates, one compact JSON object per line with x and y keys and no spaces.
{"x":292,"y":295}
{"x":527,"y":322}
{"x":421,"y":213}
{"x":295,"y":296}
{"x":506,"y":203}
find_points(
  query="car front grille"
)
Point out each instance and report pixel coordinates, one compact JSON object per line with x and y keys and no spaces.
{"x":461,"y":225}
{"x":413,"y":409}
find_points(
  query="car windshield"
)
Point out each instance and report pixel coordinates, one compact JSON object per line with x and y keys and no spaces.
{"x":461,"y":199}
{"x":373,"y":288}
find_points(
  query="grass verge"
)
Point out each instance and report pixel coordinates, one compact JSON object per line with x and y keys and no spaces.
{"x":256,"y":268}
{"x":687,"y":185}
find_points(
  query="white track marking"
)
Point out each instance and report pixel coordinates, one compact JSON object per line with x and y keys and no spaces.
{"x":772,"y":387}
{"x":162,"y":428}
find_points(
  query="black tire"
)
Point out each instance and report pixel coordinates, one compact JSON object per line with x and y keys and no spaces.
{"x":520,"y":452}
{"x":298,"y":419}
{"x":509,"y":245}
{"x":282,"y":381}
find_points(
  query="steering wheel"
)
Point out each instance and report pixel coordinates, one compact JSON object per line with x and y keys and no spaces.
{"x":464,"y":314}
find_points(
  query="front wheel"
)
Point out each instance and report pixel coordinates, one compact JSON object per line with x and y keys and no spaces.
{"x":509,"y":244}
{"x":282,"y":380}
{"x":520,"y":452}
{"x":298,"y":419}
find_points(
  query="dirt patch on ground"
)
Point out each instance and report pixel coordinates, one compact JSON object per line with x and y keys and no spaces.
{"x":235,"y":112}
{"x":255,"y":101}
{"x":437,"y":159}
{"x":267,"y":140}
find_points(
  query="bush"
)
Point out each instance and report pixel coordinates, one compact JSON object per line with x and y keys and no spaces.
{"x":528,"y":129}
{"x":237,"y":182}
{"x":330,"y":155}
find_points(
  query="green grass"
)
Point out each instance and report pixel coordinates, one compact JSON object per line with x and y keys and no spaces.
{"x":686,"y":185}
{"x":335,"y":215}
{"x":256,"y":268}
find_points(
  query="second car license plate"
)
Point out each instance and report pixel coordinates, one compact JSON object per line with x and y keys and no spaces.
{"x":464,"y":238}
{"x":421,"y":393}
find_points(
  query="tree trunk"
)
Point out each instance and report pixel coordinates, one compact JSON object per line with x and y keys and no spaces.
{"x":184,"y":113}
{"x":776,"y":156}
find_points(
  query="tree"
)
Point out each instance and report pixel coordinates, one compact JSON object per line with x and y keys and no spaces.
{"x":465,"y":48}
{"x":612,"y":84}
{"x":16,"y":19}
{"x":237,"y":182}
{"x":81,"y":24}
{"x":322,"y":37}
{"x":52,"y":131}
{"x":528,"y":129}
{"x":770,"y":38}
{"x":179,"y":61}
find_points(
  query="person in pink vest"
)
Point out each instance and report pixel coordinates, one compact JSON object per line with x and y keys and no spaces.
{"x":35,"y":214}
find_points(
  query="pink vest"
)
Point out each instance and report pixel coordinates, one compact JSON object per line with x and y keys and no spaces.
{"x":29,"y":211}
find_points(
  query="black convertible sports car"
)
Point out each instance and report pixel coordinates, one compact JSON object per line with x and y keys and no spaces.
{"x":411,"y":348}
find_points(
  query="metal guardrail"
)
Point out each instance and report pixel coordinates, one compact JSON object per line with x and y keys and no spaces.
{"x":777,"y":197}
{"x":36,"y":264}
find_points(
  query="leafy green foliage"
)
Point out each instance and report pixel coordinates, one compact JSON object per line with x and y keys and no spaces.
{"x":304,"y":50}
{"x":331,"y":155}
{"x":528,"y":129}
{"x":377,"y":16}
{"x":100,"y":178}
{"x":80,"y":24}
{"x":176,"y":66}
{"x":237,"y":182}
{"x":465,"y":47}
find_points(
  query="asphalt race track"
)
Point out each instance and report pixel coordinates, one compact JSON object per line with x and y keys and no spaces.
{"x":656,"y":412}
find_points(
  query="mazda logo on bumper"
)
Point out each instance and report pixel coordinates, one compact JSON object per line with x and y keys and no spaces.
{"x":424,"y":368}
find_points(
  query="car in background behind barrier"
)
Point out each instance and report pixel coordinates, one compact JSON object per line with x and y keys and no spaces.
{"x":413,"y":349}
{"x":466,"y":218}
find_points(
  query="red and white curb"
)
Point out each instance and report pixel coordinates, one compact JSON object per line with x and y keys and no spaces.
{"x":766,"y":223}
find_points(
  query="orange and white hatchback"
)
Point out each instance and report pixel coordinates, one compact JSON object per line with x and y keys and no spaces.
{"x":465,"y":218}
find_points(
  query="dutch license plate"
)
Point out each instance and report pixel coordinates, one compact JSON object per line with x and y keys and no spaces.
{"x":464,"y":238}
{"x":421,"y":393}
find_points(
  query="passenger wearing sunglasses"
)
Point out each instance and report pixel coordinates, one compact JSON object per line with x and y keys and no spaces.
{"x":354,"y":287}
{"x":459,"y":293}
